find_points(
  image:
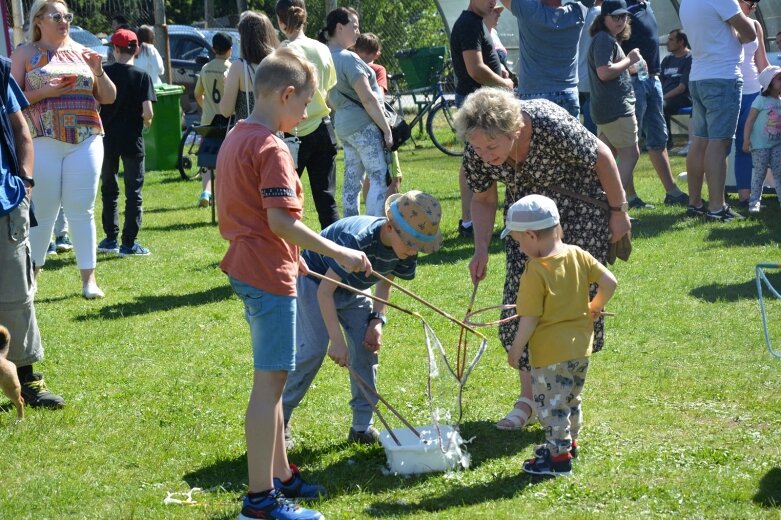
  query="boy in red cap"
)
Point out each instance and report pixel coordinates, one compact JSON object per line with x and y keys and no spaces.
{"x":123,"y":122}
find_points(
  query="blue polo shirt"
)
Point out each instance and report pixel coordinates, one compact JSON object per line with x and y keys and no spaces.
{"x":361,"y":233}
{"x":645,"y":34}
{"x":12,"y":190}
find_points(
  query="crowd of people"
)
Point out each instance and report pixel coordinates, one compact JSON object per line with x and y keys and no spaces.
{"x":68,"y":121}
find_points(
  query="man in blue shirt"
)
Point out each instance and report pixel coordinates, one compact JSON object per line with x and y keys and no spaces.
{"x":17,"y":284}
{"x":548,"y":34}
{"x":649,"y":104}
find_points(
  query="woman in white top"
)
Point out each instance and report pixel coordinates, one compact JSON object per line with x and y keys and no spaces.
{"x":148,"y":59}
{"x":754,"y":62}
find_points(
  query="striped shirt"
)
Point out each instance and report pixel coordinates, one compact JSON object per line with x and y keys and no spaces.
{"x":361,"y":233}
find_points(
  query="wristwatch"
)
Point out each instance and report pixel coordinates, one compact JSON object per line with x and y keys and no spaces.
{"x":623,"y":208}
{"x":378,"y":316}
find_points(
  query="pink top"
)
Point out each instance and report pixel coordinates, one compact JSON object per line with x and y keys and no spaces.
{"x":71,"y":118}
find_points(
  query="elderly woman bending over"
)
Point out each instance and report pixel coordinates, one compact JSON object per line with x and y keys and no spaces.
{"x":536,"y":147}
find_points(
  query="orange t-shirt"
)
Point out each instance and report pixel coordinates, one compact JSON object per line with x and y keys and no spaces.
{"x":255,"y":172}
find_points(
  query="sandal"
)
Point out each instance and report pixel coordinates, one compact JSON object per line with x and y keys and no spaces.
{"x":518,"y":419}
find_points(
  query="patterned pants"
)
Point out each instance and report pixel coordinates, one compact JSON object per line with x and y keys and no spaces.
{"x":763,"y":159}
{"x":364,"y":152}
{"x":557,"y":391}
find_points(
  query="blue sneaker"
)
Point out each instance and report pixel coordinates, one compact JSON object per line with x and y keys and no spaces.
{"x":52,"y":250}
{"x":63,"y":243}
{"x":108,"y":246}
{"x":135,"y":250}
{"x":297,"y":488}
{"x":276,"y":506}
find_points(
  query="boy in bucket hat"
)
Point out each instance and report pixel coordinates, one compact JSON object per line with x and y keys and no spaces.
{"x":391,"y":243}
{"x":556,"y":322}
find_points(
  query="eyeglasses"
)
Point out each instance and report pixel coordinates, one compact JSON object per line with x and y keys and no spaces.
{"x":59,"y":17}
{"x":619,"y":17}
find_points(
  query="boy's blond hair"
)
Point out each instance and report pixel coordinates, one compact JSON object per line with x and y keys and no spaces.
{"x":284,"y":68}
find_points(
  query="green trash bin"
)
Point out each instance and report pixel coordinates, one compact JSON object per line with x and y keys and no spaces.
{"x":161,"y":142}
{"x":421,"y":67}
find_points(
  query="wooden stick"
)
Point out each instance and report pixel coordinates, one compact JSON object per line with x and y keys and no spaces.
{"x":427,"y":304}
{"x":376,"y":409}
{"x":462,"y":341}
{"x":395,"y":412}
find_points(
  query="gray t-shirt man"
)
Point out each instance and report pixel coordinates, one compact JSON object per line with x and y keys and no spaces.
{"x":548,"y":38}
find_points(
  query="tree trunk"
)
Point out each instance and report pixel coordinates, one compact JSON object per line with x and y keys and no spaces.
{"x":208,"y":12}
{"x":241,"y":5}
{"x":161,"y":38}
{"x":330,"y":5}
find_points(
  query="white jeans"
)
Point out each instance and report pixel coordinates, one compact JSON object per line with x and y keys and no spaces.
{"x":66,"y":175}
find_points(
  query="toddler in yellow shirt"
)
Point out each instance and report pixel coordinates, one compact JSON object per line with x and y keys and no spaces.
{"x":556,"y":321}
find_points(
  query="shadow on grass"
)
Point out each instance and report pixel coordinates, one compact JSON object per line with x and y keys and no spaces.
{"x":57,"y":262}
{"x":650,"y":224}
{"x":148,"y":304}
{"x":169,"y":210}
{"x":738,"y":291}
{"x":456,"y":249}
{"x":769,"y":492}
{"x":182,"y":226}
{"x":361,"y":466}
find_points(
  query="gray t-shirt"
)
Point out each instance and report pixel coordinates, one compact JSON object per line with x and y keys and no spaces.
{"x":548,"y":38}
{"x":350,"y":116}
{"x":612,"y":99}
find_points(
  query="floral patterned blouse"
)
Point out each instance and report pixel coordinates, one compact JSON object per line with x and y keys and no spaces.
{"x":71,"y":118}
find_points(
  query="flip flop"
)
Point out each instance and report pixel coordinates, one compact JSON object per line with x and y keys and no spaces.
{"x":518,"y":419}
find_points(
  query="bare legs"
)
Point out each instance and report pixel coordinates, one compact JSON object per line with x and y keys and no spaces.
{"x":707,"y":160}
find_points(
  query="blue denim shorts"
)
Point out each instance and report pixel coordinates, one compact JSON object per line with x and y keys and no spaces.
{"x":566,"y":99}
{"x":715,"y":107}
{"x":649,"y":111}
{"x":272,"y":326}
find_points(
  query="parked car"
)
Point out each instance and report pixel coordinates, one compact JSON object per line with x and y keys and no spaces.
{"x":81,"y":36}
{"x":190,"y":49}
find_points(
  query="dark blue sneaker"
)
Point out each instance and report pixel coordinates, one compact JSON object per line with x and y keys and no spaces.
{"x":52,"y":250}
{"x":135,"y":250}
{"x":63,"y":243}
{"x":547,"y":465}
{"x":108,"y":246}
{"x":297,"y":488}
{"x":276,"y":506}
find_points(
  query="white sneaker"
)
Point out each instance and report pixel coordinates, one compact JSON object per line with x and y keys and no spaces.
{"x":91,"y":291}
{"x":683,"y":176}
{"x":754,"y":207}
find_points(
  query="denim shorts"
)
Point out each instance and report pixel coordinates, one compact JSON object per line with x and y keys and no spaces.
{"x":272,"y":326}
{"x":649,"y":111}
{"x":566,"y":99}
{"x":715,"y":107}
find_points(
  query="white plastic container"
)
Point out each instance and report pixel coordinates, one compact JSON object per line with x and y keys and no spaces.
{"x":424,"y":454}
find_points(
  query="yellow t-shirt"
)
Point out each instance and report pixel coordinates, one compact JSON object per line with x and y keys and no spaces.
{"x":320,"y":56}
{"x":211,"y":82}
{"x":556,"y":288}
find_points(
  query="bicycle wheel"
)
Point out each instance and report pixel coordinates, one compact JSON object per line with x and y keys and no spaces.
{"x":188,"y":154}
{"x":441,"y":129}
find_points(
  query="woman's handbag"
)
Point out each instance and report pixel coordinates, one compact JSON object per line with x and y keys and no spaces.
{"x":621,"y":249}
{"x":400,"y":130}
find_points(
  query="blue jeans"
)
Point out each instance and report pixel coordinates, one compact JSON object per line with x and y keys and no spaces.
{"x":271,"y":319}
{"x":353,"y":311}
{"x":566,"y":99}
{"x":743,"y":161}
{"x":715,"y":107}
{"x":649,"y":111}
{"x":585,"y":109}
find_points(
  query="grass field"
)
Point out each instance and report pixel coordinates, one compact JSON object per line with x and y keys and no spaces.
{"x":682,"y":408}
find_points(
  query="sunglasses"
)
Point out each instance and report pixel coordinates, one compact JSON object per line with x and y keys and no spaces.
{"x":619,"y":17}
{"x":59,"y":17}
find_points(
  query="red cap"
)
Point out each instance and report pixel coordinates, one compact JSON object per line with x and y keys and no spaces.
{"x":123,"y":38}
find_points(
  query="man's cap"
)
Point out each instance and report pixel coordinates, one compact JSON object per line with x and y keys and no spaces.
{"x":124,"y":38}
{"x":614,"y":7}
{"x":767,"y":75}
{"x":221,"y":42}
{"x":415,"y":216}
{"x":531,"y":213}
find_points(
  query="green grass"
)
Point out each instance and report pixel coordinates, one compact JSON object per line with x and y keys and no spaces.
{"x":681,"y":408}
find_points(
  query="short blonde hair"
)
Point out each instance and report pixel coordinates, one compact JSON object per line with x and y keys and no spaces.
{"x":33,"y":32}
{"x":495,"y":111}
{"x":283,"y":68}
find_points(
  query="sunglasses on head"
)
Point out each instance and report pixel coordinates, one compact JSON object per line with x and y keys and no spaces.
{"x":59,"y":17}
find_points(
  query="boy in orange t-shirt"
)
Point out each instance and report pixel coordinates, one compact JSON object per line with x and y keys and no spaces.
{"x":260,"y":205}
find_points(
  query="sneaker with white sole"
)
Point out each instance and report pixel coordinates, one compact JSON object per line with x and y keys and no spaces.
{"x":205,"y":199}
{"x":754,"y":207}
{"x":275,"y":505}
{"x":548,"y":465}
{"x":52,"y":249}
{"x":63,"y":243}
{"x":725,"y":214}
{"x":297,"y":487}
{"x":108,"y":245}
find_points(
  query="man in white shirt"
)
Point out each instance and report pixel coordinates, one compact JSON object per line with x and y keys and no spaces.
{"x":717,"y":29}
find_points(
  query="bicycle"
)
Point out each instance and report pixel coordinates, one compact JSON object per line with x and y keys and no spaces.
{"x":439,"y":108}
{"x":187,"y":161}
